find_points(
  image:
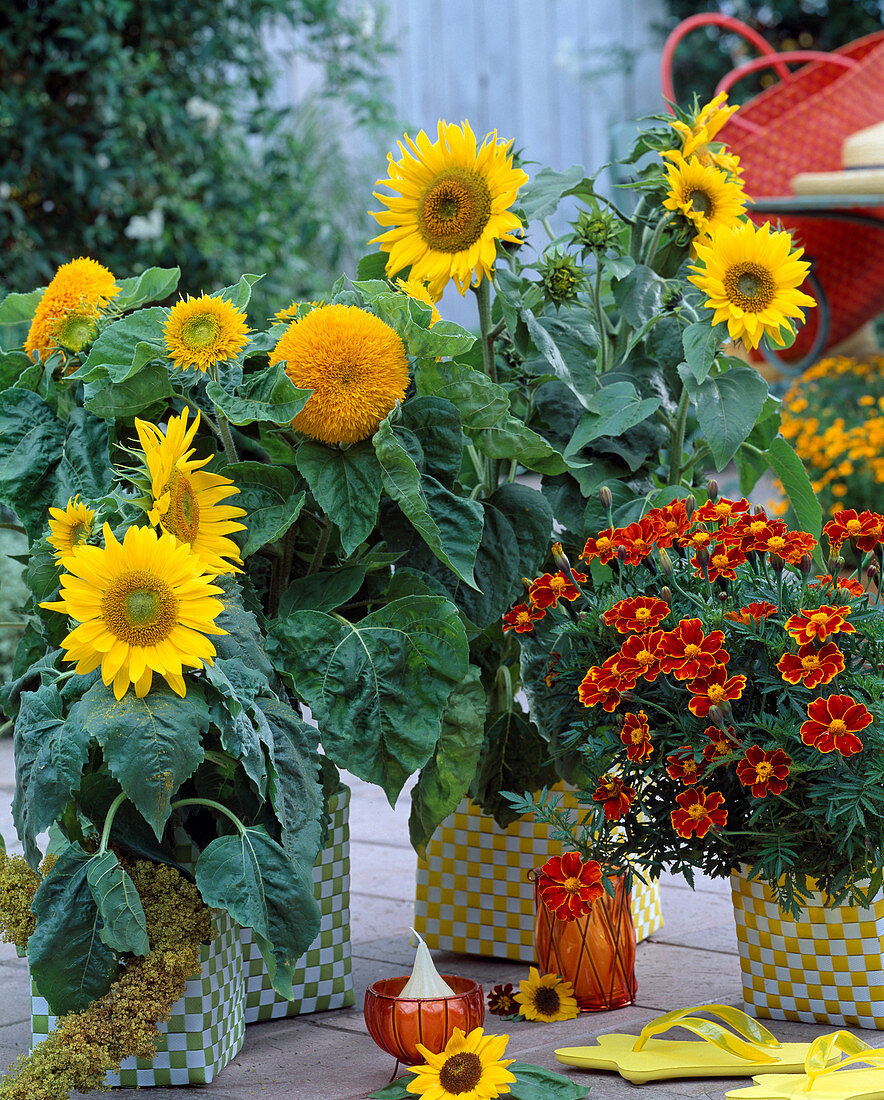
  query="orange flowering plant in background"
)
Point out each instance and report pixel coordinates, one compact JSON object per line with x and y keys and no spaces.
{"x":718,"y":698}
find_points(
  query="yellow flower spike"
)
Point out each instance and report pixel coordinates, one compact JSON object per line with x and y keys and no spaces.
{"x":201,"y":332}
{"x":185,"y":499}
{"x":142,"y":606}
{"x":69,"y":526}
{"x":452,"y":206}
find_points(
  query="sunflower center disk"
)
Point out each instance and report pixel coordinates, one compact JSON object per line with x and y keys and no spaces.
{"x":183,"y":517}
{"x":700,"y":201}
{"x":454,"y":210}
{"x":139,"y":608}
{"x":750,"y":286}
{"x":200,"y":331}
{"x":546,"y":1001}
{"x":461,"y":1072}
{"x":75,"y":332}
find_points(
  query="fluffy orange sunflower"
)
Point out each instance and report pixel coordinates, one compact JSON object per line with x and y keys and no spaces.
{"x":65,"y":318}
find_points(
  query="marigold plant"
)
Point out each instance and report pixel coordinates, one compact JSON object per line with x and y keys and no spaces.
{"x":737,"y":721}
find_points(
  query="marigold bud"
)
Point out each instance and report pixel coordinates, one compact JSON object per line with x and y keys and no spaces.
{"x":776,"y":563}
{"x":712,"y":489}
{"x":690,"y":505}
{"x":665,"y":562}
{"x":835,"y":565}
{"x":560,"y":558}
{"x":606,"y":497}
{"x":716,"y":716}
{"x":666,"y":593}
{"x":621,"y":553}
{"x":806,"y":565}
{"x":702,"y":556}
{"x":872,"y":571}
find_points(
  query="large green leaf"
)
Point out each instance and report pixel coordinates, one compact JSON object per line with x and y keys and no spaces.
{"x":254,"y":880}
{"x":149,"y":387}
{"x":377,"y":688}
{"x":267,"y":395}
{"x":244,"y":638}
{"x":789,"y":468}
{"x":152,"y":285}
{"x":70,"y":963}
{"x":12,"y":365}
{"x":322,"y":591}
{"x":116,"y":349}
{"x":18,"y":308}
{"x":31,"y":439}
{"x":50,"y":753}
{"x":536,"y":1083}
{"x":346,"y":482}
{"x":437,"y":425}
{"x":445,"y":779}
{"x":540,"y":197}
{"x":514,"y":757}
{"x":124,"y":925}
{"x":270,"y":498}
{"x":84,"y":462}
{"x":480,"y":402}
{"x":701,"y":342}
{"x":613,"y":410}
{"x":531,"y":518}
{"x":727,"y":407}
{"x":575,"y":370}
{"x":640,"y":296}
{"x":411,"y":319}
{"x":240,"y":293}
{"x":150,"y":745}
{"x":450,"y":525}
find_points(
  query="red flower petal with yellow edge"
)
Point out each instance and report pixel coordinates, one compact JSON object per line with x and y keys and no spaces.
{"x":521,"y":618}
{"x":697,"y":540}
{"x":636,"y":736}
{"x":849,"y":585}
{"x":721,"y":511}
{"x":699,"y":811}
{"x":722,"y":743}
{"x":722,"y":564}
{"x":687,"y":652}
{"x":847,"y":524}
{"x":765,"y":772}
{"x":798,"y":544}
{"x":615,"y":797}
{"x":713,"y":690}
{"x":682,"y":766}
{"x":637,"y":539}
{"x":639,"y":656}
{"x":637,"y":614}
{"x":819,"y":623}
{"x":833,"y":723}
{"x":773,"y":539}
{"x":603,"y":685}
{"x":670,"y":522}
{"x":601,"y":548}
{"x":745,"y":531}
{"x":812,"y":666}
{"x":547,"y":589}
{"x":569,"y":885}
{"x":752,"y":613}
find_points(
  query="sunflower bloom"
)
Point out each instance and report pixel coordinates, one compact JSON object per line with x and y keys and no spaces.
{"x":66,"y":314}
{"x":471,"y":1067}
{"x":750,"y":277}
{"x":832,"y":724}
{"x":185,"y":499}
{"x":354,"y":363}
{"x":546,"y":998}
{"x":201,"y":332}
{"x":416,"y":289}
{"x":706,"y":197}
{"x":569,"y":885}
{"x":143,"y":606}
{"x":697,"y":137}
{"x":451,"y":208}
{"x":69,"y":526}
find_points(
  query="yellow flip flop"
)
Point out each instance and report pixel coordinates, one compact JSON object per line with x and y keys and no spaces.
{"x":825,"y":1078}
{"x":745,"y":1050}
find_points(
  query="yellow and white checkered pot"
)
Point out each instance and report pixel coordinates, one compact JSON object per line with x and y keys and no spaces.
{"x":824,"y":968}
{"x":473,"y":894}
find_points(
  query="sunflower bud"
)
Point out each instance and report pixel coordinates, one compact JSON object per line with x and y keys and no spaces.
{"x":606,"y":497}
{"x":596,"y":230}
{"x":560,"y":558}
{"x":665,"y":562}
{"x":712,"y":489}
{"x":561,"y":277}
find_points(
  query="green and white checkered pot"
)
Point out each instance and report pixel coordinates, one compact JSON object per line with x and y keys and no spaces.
{"x":205,"y":1030}
{"x":323,"y":977}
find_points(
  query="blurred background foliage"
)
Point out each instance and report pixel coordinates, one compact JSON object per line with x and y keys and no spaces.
{"x":706,"y":55}
{"x":143,"y":132}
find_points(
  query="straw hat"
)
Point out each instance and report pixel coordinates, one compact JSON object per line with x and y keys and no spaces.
{"x":862,"y":155}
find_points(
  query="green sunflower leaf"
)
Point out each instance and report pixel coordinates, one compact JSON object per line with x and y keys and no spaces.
{"x":136,"y":396}
{"x":152,"y":285}
{"x":266,"y":395}
{"x":270,"y":498}
{"x":124,"y":925}
{"x":126,"y":346}
{"x":347,"y":483}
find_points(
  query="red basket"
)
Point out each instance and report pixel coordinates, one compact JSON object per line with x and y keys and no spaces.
{"x":798,"y":125}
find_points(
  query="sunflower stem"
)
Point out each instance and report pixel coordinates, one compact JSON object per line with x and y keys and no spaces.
{"x":109,"y":821}
{"x":483,"y":298}
{"x":676,"y":450}
{"x":212,"y":806}
{"x":12,"y":626}
{"x":226,"y":437}
{"x":637,"y":228}
{"x":321,"y":546}
{"x":655,"y":236}
{"x":600,"y":318}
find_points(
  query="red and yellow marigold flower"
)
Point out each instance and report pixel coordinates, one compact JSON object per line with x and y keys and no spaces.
{"x":721,"y":511}
{"x":722,"y":743}
{"x":669,"y":522}
{"x":687,"y":653}
{"x":698,"y":811}
{"x":547,"y":589}
{"x":636,"y":736}
{"x":701,"y":539}
{"x":569,"y":885}
{"x":601,"y":548}
{"x":753,"y":613}
{"x":639,"y":656}
{"x":637,"y":539}
{"x":713,"y":690}
{"x":818,"y":623}
{"x":849,"y":585}
{"x":681,"y":766}
{"x":833,"y":723}
{"x":765,"y":772}
{"x":812,"y":666}
{"x":637,"y":614}
{"x":722,"y":564}
{"x":521,"y":618}
{"x":615,"y":797}
{"x":603,"y":686}
{"x":746,"y":531}
{"x":863,"y":529}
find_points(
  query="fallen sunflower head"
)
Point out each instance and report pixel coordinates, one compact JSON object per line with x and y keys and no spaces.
{"x":471,"y":1067}
{"x":547,"y":998}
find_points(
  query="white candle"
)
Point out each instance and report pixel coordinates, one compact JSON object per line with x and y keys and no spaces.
{"x":425,"y":980}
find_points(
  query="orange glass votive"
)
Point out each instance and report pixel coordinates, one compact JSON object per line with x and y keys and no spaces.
{"x":595,"y":953}
{"x":398,"y":1024}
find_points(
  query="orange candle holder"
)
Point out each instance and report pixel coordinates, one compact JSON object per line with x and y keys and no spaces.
{"x":397,"y":1024}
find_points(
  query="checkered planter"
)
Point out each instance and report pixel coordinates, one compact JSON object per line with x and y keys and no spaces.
{"x":205,"y":1030}
{"x":825,"y":968}
{"x":323,"y":976}
{"x":473,"y":894}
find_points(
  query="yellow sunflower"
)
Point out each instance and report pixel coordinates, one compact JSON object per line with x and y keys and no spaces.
{"x":290,"y":313}
{"x":70,"y":526}
{"x":185,"y":499}
{"x":469,"y":1068}
{"x":750,"y":277}
{"x":201,"y":332}
{"x":354,"y":363}
{"x":414,"y":288}
{"x":703,"y":194}
{"x":697,"y":138}
{"x":143,"y":606}
{"x":66,"y":313}
{"x":453,"y":205}
{"x":546,"y":998}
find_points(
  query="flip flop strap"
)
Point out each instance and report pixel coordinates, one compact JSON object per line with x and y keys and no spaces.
{"x":822,"y":1051}
{"x":747,"y":1044}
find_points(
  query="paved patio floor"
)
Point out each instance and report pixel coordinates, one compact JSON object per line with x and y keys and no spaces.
{"x":692,"y":960}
